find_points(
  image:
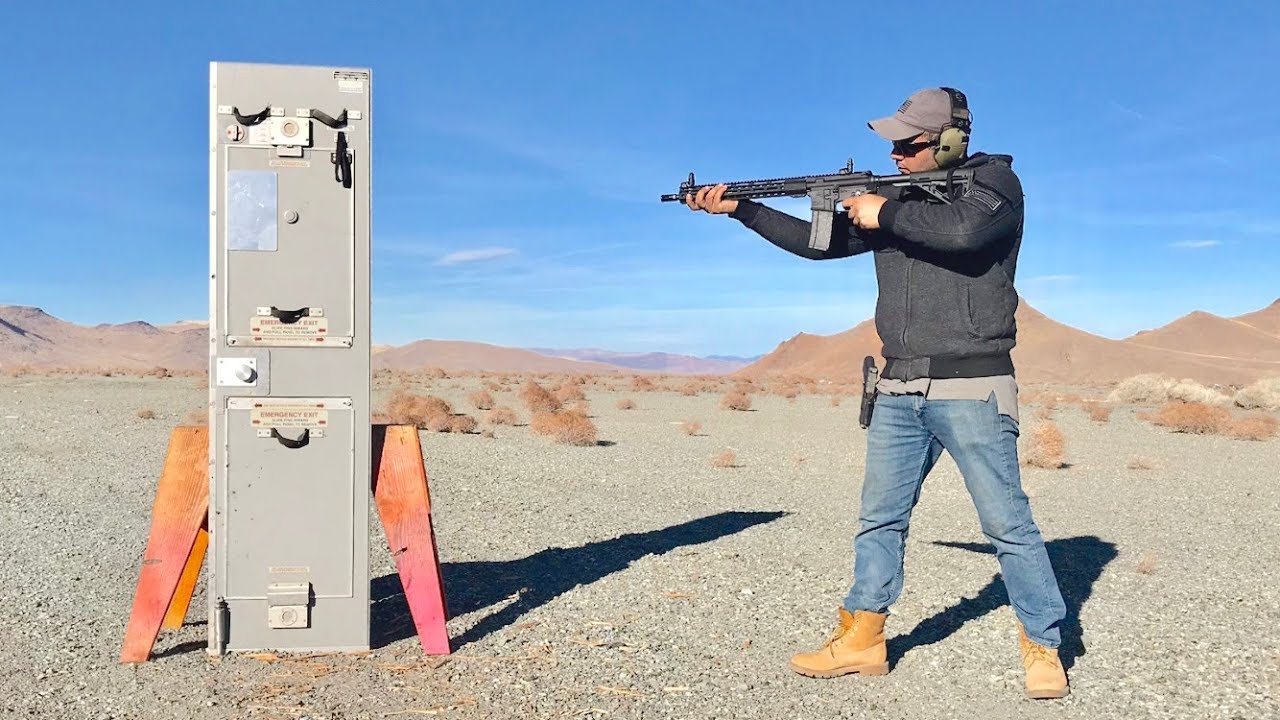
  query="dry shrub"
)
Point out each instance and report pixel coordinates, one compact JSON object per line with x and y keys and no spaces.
{"x":1253,"y":427}
{"x":199,"y":416}
{"x":570,"y":392}
{"x":537,"y":398}
{"x":1155,"y":388}
{"x":158,"y":372}
{"x":146,"y":414}
{"x":836,"y":399}
{"x":565,"y":427}
{"x":1098,"y":412}
{"x":1141,"y":462}
{"x":726,"y":459}
{"x":736,"y":400}
{"x":462,"y":424}
{"x":786,"y":391}
{"x":435,"y":373}
{"x":1191,"y":417}
{"x":501,"y":416}
{"x":1145,"y":388}
{"x":405,"y":408}
{"x":797,"y":458}
{"x":1262,"y":395}
{"x":1191,"y":391}
{"x":690,"y":427}
{"x":640,"y":383}
{"x":1046,"y":448}
{"x":626,"y":404}
{"x":438,"y":422}
{"x":487,"y":434}
{"x":690,"y":389}
{"x":18,"y":370}
{"x":481,"y":400}
{"x":1146,"y":565}
{"x":1045,"y":412}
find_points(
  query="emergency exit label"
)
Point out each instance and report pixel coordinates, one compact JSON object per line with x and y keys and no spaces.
{"x":289,"y":416}
{"x":273,"y":328}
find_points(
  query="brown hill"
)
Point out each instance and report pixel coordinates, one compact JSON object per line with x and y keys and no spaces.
{"x":1047,"y":351}
{"x":1211,"y":336}
{"x":457,"y":355}
{"x":837,"y":358}
{"x":30,"y":336}
{"x":1267,"y":319}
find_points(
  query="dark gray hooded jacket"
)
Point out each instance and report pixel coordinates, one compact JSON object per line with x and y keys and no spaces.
{"x":945,"y":271}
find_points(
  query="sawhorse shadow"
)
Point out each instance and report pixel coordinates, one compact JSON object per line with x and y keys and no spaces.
{"x":541,"y":577}
{"x":1078,"y":563}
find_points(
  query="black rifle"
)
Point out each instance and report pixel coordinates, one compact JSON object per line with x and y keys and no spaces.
{"x":826,"y":191}
{"x":870,"y":375}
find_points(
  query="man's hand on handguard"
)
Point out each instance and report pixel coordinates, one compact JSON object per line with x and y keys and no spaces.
{"x":709,"y":200}
{"x":864,"y":210}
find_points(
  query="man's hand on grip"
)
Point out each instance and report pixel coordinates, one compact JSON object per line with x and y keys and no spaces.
{"x":864,"y":210}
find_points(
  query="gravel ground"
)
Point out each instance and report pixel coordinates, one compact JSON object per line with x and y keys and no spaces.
{"x":635,"y":579}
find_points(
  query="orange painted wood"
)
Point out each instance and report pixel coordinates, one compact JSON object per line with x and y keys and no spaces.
{"x":181,"y":509}
{"x":187,"y":584}
{"x":404,"y":503}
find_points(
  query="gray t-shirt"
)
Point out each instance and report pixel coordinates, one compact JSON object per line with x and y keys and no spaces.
{"x":979,"y":388}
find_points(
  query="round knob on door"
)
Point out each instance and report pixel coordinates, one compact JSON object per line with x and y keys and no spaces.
{"x":246,"y":373}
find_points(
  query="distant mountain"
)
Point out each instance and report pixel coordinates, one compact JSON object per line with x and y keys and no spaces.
{"x":1213,"y":336}
{"x":30,"y":336}
{"x":1267,"y":319}
{"x":736,"y":358}
{"x":458,"y":355}
{"x":658,"y":362}
{"x":1202,"y":346}
{"x":1049,"y":351}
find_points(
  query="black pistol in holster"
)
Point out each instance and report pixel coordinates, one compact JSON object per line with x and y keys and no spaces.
{"x":870,"y":376}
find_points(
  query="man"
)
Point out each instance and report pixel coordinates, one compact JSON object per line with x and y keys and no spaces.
{"x":945,"y":314}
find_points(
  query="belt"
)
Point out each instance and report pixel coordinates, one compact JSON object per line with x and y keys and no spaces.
{"x":948,"y":366}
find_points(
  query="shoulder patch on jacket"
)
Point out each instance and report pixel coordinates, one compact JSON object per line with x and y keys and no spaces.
{"x":989,"y":201}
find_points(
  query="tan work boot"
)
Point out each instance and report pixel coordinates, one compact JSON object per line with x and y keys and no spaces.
{"x":1046,"y":679}
{"x":856,"y":646}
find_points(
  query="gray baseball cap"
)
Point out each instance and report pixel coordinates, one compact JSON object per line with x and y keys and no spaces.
{"x":925,"y":111}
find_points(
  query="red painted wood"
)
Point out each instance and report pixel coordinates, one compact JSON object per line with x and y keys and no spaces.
{"x":181,"y":507}
{"x":404,"y":503}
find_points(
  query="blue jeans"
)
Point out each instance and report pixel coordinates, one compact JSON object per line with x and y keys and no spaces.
{"x":906,"y":436}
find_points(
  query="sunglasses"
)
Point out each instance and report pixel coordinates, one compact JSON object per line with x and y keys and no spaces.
{"x":907,"y":148}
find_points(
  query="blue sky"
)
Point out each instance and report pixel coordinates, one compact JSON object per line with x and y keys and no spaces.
{"x":520,"y":150}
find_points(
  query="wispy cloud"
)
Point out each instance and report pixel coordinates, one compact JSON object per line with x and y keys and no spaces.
{"x":1195,"y":243}
{"x":471,"y":256}
{"x":1125,"y":110}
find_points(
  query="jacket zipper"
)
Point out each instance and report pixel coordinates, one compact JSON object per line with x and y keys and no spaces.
{"x":906,"y":316}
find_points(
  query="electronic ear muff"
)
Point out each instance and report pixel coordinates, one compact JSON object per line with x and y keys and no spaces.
{"x":953,"y":141}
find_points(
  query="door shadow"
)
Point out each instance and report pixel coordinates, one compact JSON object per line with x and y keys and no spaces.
{"x":1078,"y":563}
{"x":539,"y":578}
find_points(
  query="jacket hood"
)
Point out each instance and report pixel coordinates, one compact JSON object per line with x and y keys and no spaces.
{"x":981,"y":158}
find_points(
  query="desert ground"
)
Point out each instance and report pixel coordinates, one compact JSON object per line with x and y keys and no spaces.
{"x":663,"y":571}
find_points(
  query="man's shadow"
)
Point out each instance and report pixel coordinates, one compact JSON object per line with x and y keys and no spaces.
{"x":1078,"y":563}
{"x":539,"y":578}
